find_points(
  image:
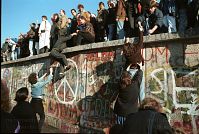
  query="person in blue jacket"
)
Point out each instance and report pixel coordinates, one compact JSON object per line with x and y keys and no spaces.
{"x":37,"y":88}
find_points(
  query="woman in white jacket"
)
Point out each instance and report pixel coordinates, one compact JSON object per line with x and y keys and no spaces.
{"x":44,"y":35}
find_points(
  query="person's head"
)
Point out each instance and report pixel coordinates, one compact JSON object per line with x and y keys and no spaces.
{"x":152,"y":6}
{"x":80,"y":7}
{"x":44,"y":17}
{"x":82,"y":19}
{"x":73,"y":12}
{"x":21,"y":94}
{"x":32,"y":25}
{"x":151,"y":103}
{"x":110,"y":4}
{"x":55,"y":17}
{"x":101,"y":5}
{"x":32,"y":78}
{"x":62,"y":12}
{"x":5,"y":99}
{"x":125,"y":79}
{"x":69,"y":20}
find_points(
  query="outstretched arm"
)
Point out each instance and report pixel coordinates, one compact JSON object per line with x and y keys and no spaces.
{"x":141,"y":36}
{"x":44,"y":82}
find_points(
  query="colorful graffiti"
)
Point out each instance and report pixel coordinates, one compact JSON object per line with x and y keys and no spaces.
{"x":81,"y":100}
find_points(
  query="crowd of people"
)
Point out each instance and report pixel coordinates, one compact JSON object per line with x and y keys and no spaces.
{"x":121,"y":20}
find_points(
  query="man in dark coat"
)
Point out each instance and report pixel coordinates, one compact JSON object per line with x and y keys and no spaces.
{"x":56,"y":52}
{"x":148,"y":120}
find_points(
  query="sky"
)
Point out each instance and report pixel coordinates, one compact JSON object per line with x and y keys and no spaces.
{"x":16,"y":15}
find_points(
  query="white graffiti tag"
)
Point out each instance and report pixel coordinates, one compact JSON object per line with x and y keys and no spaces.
{"x":67,"y":87}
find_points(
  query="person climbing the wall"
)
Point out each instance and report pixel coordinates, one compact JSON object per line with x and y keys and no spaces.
{"x":37,"y":94}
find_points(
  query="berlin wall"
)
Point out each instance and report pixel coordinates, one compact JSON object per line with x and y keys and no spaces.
{"x":81,"y":101}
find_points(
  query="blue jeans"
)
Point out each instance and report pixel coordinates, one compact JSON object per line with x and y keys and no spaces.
{"x":120,"y":29}
{"x":170,"y":22}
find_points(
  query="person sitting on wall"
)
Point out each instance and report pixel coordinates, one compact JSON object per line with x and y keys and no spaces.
{"x":37,"y":88}
{"x":87,"y":33}
{"x":152,"y":20}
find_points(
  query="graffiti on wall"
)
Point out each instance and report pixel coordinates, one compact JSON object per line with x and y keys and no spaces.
{"x":80,"y":101}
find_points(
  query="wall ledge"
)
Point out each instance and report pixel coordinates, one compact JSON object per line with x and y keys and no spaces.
{"x":157,"y":38}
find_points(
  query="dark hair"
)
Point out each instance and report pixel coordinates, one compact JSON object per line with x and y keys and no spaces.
{"x":55,"y":19}
{"x":125,"y":79}
{"x":111,"y":4}
{"x":63,"y":11}
{"x":101,"y":3}
{"x":5,"y":99}
{"x":72,"y":10}
{"x":32,"y":78}
{"x":80,"y":5}
{"x":44,"y":17}
{"x":21,"y":94}
{"x":33,"y":24}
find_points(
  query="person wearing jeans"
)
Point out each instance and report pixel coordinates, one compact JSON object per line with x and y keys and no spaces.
{"x":120,"y":18}
{"x":37,"y":88}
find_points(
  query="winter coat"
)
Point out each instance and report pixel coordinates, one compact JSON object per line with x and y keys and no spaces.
{"x":146,"y":121}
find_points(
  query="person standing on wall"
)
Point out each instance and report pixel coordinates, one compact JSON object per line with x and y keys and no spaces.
{"x":54,"y":30}
{"x":31,"y":37}
{"x":62,"y":24}
{"x":44,"y":35}
{"x":121,"y":16}
{"x":37,"y":88}
{"x":101,"y":23}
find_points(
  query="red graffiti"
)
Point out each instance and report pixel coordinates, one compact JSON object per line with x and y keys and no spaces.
{"x":103,"y":56}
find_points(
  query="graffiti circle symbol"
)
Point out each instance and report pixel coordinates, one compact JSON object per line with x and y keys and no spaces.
{"x":65,"y":85}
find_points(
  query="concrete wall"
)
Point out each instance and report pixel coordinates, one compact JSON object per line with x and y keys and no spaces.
{"x":81,"y":100}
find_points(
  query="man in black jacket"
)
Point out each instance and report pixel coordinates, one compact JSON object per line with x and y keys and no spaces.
{"x":148,"y":120}
{"x":56,"y":52}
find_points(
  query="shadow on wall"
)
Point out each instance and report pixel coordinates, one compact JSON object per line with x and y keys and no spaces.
{"x":97,"y":113}
{"x":182,"y":59}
